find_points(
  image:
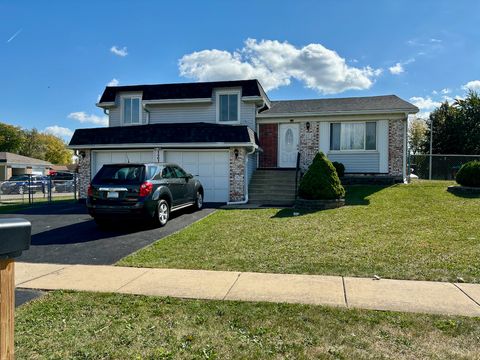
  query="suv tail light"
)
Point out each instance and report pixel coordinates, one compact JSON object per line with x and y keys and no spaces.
{"x":90,"y":190}
{"x":146,"y":188}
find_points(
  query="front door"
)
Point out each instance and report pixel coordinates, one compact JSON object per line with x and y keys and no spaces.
{"x":288,"y":145}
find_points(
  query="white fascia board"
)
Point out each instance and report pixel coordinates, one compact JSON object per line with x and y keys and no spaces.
{"x":341,"y":112}
{"x":106,"y":104}
{"x":177,"y":101}
{"x":163,"y":146}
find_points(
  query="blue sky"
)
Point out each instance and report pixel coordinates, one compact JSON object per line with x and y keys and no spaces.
{"x":57,"y":56}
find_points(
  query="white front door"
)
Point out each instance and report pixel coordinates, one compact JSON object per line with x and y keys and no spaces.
{"x":288,"y":145}
{"x":211,"y":168}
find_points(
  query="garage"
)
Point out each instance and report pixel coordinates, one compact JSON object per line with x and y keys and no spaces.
{"x":210,"y":167}
{"x":101,"y":158}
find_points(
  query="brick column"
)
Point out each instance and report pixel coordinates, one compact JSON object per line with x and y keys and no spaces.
{"x":395,"y":147}
{"x":84,"y":173}
{"x":308,"y":143}
{"x":237,"y":174}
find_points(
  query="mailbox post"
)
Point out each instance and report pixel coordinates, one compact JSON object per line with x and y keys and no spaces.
{"x":15,"y":237}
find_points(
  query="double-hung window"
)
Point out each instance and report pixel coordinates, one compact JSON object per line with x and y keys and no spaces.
{"x":228,"y":107}
{"x":131,"y":110}
{"x":353,"y":136}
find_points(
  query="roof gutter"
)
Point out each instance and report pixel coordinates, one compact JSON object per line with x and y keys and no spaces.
{"x":163,"y":145}
{"x":340,"y":112}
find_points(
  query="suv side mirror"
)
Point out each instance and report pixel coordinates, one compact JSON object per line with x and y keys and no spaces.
{"x":189,"y":176}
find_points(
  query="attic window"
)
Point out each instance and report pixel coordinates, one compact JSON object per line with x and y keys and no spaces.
{"x":228,"y":105}
{"x":131,"y":110}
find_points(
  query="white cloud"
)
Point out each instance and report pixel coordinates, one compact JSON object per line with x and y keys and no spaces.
{"x":472,"y":85}
{"x":113,"y":82}
{"x":122,"y":52}
{"x":276,"y":63}
{"x":59,"y":131}
{"x":424,"y":103}
{"x":88,"y":118}
{"x":396,"y":69}
{"x":446,"y":91}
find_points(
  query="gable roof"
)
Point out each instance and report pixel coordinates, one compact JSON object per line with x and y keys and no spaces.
{"x":197,"y":90}
{"x":11,"y":158}
{"x":367,"y":104}
{"x":152,"y":134}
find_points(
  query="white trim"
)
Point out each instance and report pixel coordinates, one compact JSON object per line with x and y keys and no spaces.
{"x":339,"y":112}
{"x":140,"y":108}
{"x":177,"y":101}
{"x":106,"y":104}
{"x":164,"y":146}
{"x":217,"y":105}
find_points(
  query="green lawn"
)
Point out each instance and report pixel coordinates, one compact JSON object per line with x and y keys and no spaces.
{"x":66,"y":325}
{"x":415,"y":231}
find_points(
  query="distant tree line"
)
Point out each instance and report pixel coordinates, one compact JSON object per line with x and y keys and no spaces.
{"x":456,"y":128}
{"x":34,"y":144}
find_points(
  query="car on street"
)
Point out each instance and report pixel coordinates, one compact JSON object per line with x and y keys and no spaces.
{"x":20,"y":184}
{"x":149,"y":191}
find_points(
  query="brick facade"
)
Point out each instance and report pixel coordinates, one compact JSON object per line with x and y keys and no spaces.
{"x":84,"y":170}
{"x":237,"y":174}
{"x":268,"y":138}
{"x":395,"y":147}
{"x":308,"y":143}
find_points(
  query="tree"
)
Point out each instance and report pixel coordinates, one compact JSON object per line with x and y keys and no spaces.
{"x":11,"y":138}
{"x":33,"y":145}
{"x":55,"y":149}
{"x":456,"y":127}
{"x":417,"y":135}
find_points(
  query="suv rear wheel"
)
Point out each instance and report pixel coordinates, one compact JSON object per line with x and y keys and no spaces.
{"x":163,"y":213}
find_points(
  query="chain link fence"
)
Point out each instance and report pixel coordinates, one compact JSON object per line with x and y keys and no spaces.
{"x":444,"y":167}
{"x":29,"y":189}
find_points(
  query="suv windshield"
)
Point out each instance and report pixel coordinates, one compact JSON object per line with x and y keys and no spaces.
{"x":126,"y":174}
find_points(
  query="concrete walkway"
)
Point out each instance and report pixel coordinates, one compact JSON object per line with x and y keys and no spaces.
{"x":396,"y":295}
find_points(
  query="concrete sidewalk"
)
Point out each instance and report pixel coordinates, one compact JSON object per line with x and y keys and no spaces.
{"x":396,"y":295}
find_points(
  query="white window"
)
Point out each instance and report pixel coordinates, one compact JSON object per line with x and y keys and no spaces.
{"x":131,"y":110}
{"x":353,"y":136}
{"x":228,"y":107}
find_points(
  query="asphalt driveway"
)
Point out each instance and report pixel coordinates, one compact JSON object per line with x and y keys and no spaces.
{"x":66,"y":234}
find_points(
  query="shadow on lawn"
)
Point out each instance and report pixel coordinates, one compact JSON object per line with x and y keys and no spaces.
{"x":355,"y":195}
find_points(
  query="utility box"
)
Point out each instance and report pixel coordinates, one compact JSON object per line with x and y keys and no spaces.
{"x":15,"y":235}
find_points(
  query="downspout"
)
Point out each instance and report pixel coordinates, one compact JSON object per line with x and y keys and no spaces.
{"x":144,"y":106}
{"x":245,"y":182}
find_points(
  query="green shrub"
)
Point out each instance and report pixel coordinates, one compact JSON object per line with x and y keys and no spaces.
{"x":339,"y":167}
{"x":469,"y":174}
{"x":321,"y":181}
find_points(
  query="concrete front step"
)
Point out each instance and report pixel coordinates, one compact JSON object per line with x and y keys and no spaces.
{"x":272,"y":187}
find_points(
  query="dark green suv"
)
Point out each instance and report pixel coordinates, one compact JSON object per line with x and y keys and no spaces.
{"x":144,"y":190}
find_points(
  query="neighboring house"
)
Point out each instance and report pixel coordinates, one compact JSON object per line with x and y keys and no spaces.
{"x":14,"y":164}
{"x":223,"y":131}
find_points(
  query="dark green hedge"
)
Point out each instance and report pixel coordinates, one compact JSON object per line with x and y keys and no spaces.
{"x":321,"y":181}
{"x":469,"y":174}
{"x":339,"y":167}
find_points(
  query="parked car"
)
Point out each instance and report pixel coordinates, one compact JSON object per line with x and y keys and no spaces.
{"x":145,"y":190}
{"x":20,"y":184}
{"x":61,"y":176}
{"x":66,"y":186}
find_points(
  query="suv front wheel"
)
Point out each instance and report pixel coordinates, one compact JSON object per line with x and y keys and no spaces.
{"x":163,"y":213}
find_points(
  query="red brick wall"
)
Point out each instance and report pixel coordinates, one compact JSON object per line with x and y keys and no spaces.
{"x":268,"y":137}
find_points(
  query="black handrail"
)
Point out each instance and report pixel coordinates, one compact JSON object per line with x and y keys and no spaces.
{"x":297,"y":170}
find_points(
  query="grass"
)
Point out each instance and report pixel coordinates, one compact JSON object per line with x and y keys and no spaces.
{"x":68,"y":325}
{"x":415,"y":231}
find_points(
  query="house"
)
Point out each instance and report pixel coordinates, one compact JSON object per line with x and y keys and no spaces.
{"x":14,"y":164}
{"x":225,"y":131}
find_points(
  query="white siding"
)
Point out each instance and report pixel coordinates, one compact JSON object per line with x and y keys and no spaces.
{"x":358,"y":162}
{"x":186,"y":113}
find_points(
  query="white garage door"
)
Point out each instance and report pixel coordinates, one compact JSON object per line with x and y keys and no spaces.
{"x":211,"y":168}
{"x":101,"y":158}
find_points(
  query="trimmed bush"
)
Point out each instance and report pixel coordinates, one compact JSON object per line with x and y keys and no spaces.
{"x":321,"y":181}
{"x":339,"y":167}
{"x":469,"y":174}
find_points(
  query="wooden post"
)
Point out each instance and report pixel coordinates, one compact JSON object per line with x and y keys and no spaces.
{"x":7,"y":309}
